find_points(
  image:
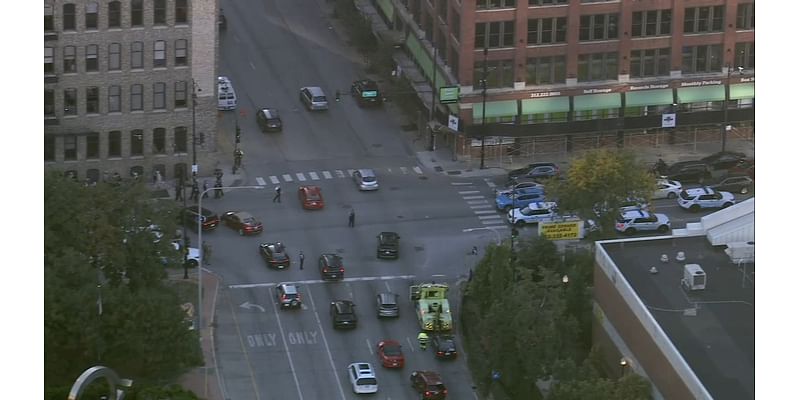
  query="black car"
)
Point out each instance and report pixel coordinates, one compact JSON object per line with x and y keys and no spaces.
{"x":343,"y":314}
{"x":366,"y":93}
{"x":388,"y":245}
{"x":539,"y":170}
{"x":208,"y":218}
{"x":269,"y":120}
{"x":723,"y":160}
{"x":330,"y":267}
{"x":444,"y":346}
{"x":275,"y":255}
{"x":689,"y":171}
{"x":734,"y":184}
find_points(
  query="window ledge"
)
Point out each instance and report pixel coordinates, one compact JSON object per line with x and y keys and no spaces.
{"x":114,"y":158}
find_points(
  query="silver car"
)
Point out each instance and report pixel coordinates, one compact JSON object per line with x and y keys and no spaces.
{"x":365,"y":179}
{"x":314,"y":98}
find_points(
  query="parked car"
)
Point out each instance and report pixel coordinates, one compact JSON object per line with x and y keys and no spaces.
{"x":313,"y":98}
{"x":738,"y":184}
{"x":390,"y":352}
{"x":744,"y":167}
{"x":518,"y":198}
{"x":269,"y":120}
{"x":275,"y":255}
{"x":704,"y":197}
{"x":386,"y":305}
{"x":689,"y":171}
{"x":444,"y":346}
{"x":366,"y":93}
{"x":667,"y":189}
{"x":288,"y":296}
{"x":723,"y":160}
{"x":310,"y":197}
{"x":365,"y":179}
{"x":388,"y":245}
{"x":242,"y":222}
{"x":208,"y":218}
{"x":330,"y":267}
{"x":362,"y":378}
{"x":343,"y":314}
{"x":533,"y":213}
{"x":633,"y":221}
{"x":429,"y":385}
{"x":520,"y":183}
{"x":541,"y":170}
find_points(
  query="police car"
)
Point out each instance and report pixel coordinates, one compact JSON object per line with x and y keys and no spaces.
{"x":630,"y":222}
{"x":533,"y":213}
{"x":704,"y":197}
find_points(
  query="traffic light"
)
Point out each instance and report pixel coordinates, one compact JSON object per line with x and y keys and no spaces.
{"x":514,"y":233}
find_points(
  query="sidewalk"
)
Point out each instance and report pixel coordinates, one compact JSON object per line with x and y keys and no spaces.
{"x":166,"y":189}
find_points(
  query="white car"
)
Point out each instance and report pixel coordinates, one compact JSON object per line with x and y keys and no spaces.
{"x":365,"y":179}
{"x":362,"y":378}
{"x":192,"y":259}
{"x":704,"y":197}
{"x":630,"y":222}
{"x":667,"y":189}
{"x":533,"y":213}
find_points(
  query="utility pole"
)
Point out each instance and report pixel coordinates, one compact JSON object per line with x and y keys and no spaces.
{"x":194,"y":131}
{"x":483,"y":107}
{"x":433,"y":94}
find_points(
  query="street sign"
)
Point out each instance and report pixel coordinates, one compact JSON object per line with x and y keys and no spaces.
{"x":566,"y":230}
{"x":452,"y":122}
{"x":194,"y":168}
{"x":668,"y":120}
{"x":449,"y":94}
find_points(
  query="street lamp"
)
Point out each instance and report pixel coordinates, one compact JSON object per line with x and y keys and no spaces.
{"x":433,"y":90}
{"x":483,"y":108}
{"x":195,"y":89}
{"x":725,"y":105}
{"x":200,"y":244}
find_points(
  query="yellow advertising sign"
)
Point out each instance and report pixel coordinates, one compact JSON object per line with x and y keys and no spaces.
{"x":566,"y":230}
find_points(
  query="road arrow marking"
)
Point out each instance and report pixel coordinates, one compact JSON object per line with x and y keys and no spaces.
{"x":248,"y":305}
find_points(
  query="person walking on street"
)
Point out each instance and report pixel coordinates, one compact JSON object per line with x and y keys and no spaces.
{"x":302,"y":259}
{"x":205,"y":189}
{"x":206,"y":253}
{"x":277,"y":197}
{"x":195,"y":191}
{"x":178,"y":191}
{"x":423,"y":340}
{"x":351,"y":221}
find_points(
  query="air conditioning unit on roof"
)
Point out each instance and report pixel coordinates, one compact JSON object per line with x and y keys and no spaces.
{"x":694,"y":278}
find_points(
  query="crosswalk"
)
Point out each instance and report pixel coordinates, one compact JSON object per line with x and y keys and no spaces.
{"x":310,"y":176}
{"x":481,"y":204}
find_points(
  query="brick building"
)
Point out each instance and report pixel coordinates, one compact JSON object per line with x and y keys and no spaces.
{"x":119,"y":83}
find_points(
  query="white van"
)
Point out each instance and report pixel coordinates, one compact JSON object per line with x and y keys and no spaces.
{"x":226,"y":99}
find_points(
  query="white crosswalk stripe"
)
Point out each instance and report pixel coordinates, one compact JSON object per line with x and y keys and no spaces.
{"x":404,"y":170}
{"x":417,"y":170}
{"x":473,"y":197}
{"x":274,"y":179}
{"x":484,"y":211}
{"x":485,"y":217}
{"x":314,"y":176}
{"x":490,"y":222}
{"x":339,"y":173}
{"x":350,"y":172}
{"x":481,"y":206}
{"x":489,"y":183}
{"x":477,"y":202}
{"x":287,"y":178}
{"x":300,"y":177}
{"x":327,"y":175}
{"x":469,"y":192}
{"x":260,"y":181}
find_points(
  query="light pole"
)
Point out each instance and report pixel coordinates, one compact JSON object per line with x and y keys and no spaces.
{"x":483,"y":108}
{"x":433,"y":92}
{"x":195,"y":89}
{"x":725,"y":105}
{"x":200,"y":246}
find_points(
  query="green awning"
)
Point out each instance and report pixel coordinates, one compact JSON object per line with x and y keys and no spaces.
{"x":602,"y":101}
{"x":742,"y":91}
{"x":424,"y":60}
{"x":495,"y":109}
{"x":388,"y":9}
{"x":658,"y":97}
{"x":700,"y":94}
{"x":545,"y":106}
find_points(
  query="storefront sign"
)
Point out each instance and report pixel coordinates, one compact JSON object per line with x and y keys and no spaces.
{"x":597,"y":91}
{"x":568,"y":230}
{"x":545,"y":94}
{"x":749,"y":79}
{"x":649,"y":87}
{"x":700,"y":83}
{"x":449,"y":94}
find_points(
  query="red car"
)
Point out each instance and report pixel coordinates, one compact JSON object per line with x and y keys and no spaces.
{"x":311,"y":197}
{"x":391,"y":354}
{"x":243,"y":222}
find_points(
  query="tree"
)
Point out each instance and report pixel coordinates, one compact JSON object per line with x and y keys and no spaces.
{"x":598,"y":182}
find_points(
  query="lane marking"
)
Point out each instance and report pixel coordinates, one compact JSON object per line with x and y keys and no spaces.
{"x":410,"y":345}
{"x":472,"y":202}
{"x":314,"y":176}
{"x":350,"y":172}
{"x":493,"y":222}
{"x":274,"y":179}
{"x":369,"y":347}
{"x":327,"y":175}
{"x":473,"y":197}
{"x":316,"y":281}
{"x":482,"y":206}
{"x":287,"y":178}
{"x":472,"y":230}
{"x":244,"y":349}
{"x":252,"y":66}
{"x":489,"y":183}
{"x":260,"y":181}
{"x":469,"y":191}
{"x":339,"y":173}
{"x":286,"y":347}
{"x":461,"y":183}
{"x":489,"y":217}
{"x":484,"y":211}
{"x":388,"y":289}
{"x":417,"y":170}
{"x":404,"y":170}
{"x":327,"y":348}
{"x":300,"y":177}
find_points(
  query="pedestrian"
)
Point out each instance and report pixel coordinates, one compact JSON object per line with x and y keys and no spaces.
{"x":205,"y":189}
{"x":195,"y":192}
{"x":277,"y":197}
{"x":178,"y":191}
{"x":423,"y":340}
{"x":474,"y":250}
{"x":351,"y":221}
{"x":302,"y":259}
{"x":206,"y":253}
{"x":218,"y":193}
{"x":469,"y":279}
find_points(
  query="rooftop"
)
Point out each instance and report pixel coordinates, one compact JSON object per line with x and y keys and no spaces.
{"x":713,"y":329}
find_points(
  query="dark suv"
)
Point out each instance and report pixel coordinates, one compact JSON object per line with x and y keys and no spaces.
{"x":209,"y":219}
{"x":269,"y":120}
{"x":388,"y":245}
{"x":343,"y":314}
{"x":275,"y":255}
{"x":366,"y":93}
{"x":429,"y":385}
{"x":539,"y":170}
{"x":330,"y":267}
{"x":689,"y":171}
{"x":287,"y":296}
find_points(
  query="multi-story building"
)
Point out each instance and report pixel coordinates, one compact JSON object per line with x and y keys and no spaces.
{"x":577,"y":66}
{"x":127,"y":86}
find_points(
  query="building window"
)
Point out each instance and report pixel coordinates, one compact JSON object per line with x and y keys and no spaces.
{"x":546,"y":70}
{"x":703,"y":19}
{"x":92,"y":100}
{"x":92,"y":146}
{"x":181,"y":12}
{"x":746,"y":55}
{"x":159,"y":54}
{"x":547,"y":30}
{"x":49,"y":148}
{"x":114,"y":99}
{"x":70,"y":101}
{"x":49,"y":60}
{"x":49,"y":102}
{"x":159,"y":96}
{"x":137,"y":13}
{"x":489,"y":4}
{"x":651,"y":23}
{"x":91,"y":16}
{"x":49,"y":24}
{"x":181,"y":139}
{"x":494,"y":34}
{"x":70,"y":147}
{"x":114,"y":14}
{"x":91,"y":58}
{"x":180,"y":94}
{"x":598,"y":27}
{"x":137,"y":142}
{"x":159,"y":141}
{"x":498,"y":74}
{"x":652,"y":62}
{"x":700,"y":59}
{"x":746,"y":16}
{"x":137,"y":55}
{"x":159,"y":12}
{"x":597,"y":67}
{"x":68,"y":20}
{"x":115,"y":144}
{"x":114,"y":50}
{"x":137,"y":104}
{"x":70,"y":66}
{"x":180,"y":52}
{"x":547,"y":2}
